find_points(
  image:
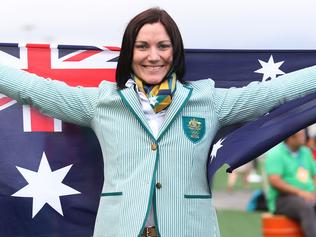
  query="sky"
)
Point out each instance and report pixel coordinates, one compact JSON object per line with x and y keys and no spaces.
{"x":220,"y":24}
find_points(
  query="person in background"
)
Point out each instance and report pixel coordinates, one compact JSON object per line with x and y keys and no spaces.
{"x":311,"y":139}
{"x":255,"y":173}
{"x":291,"y":174}
{"x":242,"y":171}
{"x":248,"y":173}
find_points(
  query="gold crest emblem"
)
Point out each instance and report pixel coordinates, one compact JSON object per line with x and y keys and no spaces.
{"x":195,"y":127}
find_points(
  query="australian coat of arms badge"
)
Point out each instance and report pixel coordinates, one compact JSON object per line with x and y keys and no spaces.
{"x":194,"y":128}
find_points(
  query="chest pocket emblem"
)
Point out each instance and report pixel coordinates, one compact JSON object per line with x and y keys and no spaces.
{"x":194,"y":128}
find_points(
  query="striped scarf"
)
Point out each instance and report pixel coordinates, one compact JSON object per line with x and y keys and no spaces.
{"x":159,"y":96}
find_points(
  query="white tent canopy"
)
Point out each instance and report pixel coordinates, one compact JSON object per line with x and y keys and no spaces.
{"x":245,"y":24}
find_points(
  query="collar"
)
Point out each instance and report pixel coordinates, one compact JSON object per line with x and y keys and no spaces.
{"x":289,"y":151}
{"x":130,"y":82}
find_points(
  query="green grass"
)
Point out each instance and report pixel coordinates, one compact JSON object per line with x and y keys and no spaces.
{"x":220,"y":181}
{"x":234,"y":223}
{"x":239,"y":223}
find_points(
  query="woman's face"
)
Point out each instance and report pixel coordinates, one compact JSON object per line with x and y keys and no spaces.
{"x":153,"y":53}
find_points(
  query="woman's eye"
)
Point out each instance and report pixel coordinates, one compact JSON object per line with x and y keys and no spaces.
{"x":165,"y":46}
{"x":140,"y":46}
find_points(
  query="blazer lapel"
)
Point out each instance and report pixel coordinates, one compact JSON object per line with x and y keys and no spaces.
{"x":130,"y":99}
{"x":179,"y":100}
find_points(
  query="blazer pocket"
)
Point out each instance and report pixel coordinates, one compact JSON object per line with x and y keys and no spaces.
{"x":111,"y":194}
{"x":108,"y":216}
{"x":203,"y":196}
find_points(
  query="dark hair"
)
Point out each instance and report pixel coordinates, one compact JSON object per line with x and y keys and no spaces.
{"x":150,"y":16}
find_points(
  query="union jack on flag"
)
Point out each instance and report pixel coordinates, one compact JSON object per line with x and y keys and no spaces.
{"x":77,"y":66}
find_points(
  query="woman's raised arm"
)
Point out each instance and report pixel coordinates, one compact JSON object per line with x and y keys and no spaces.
{"x":247,"y":103}
{"x":51,"y":97}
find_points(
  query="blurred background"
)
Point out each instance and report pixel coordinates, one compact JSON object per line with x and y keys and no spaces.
{"x":209,"y":24}
{"x":243,"y":24}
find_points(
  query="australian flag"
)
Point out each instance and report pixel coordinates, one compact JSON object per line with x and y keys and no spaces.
{"x":51,"y":171}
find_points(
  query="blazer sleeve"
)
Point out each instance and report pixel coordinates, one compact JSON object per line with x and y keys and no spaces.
{"x":51,"y":97}
{"x":236,"y":105}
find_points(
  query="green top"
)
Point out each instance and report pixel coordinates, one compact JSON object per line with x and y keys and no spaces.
{"x":280,"y":160}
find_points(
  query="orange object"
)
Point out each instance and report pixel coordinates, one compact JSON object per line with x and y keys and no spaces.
{"x":280,"y":226}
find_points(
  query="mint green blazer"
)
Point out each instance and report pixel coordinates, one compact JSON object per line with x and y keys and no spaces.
{"x":135,"y":161}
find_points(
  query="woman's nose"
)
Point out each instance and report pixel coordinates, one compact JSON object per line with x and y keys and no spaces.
{"x":153,"y":54}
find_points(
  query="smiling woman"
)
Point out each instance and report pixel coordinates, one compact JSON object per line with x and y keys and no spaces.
{"x":151,"y":39}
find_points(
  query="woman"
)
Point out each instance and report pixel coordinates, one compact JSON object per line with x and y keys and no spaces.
{"x":154,"y":129}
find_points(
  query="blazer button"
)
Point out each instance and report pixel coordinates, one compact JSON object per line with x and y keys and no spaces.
{"x":154,"y":146}
{"x":158,"y":185}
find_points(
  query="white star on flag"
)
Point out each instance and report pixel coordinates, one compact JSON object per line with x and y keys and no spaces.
{"x":270,"y":69}
{"x":216,"y":147}
{"x":45,"y":186}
